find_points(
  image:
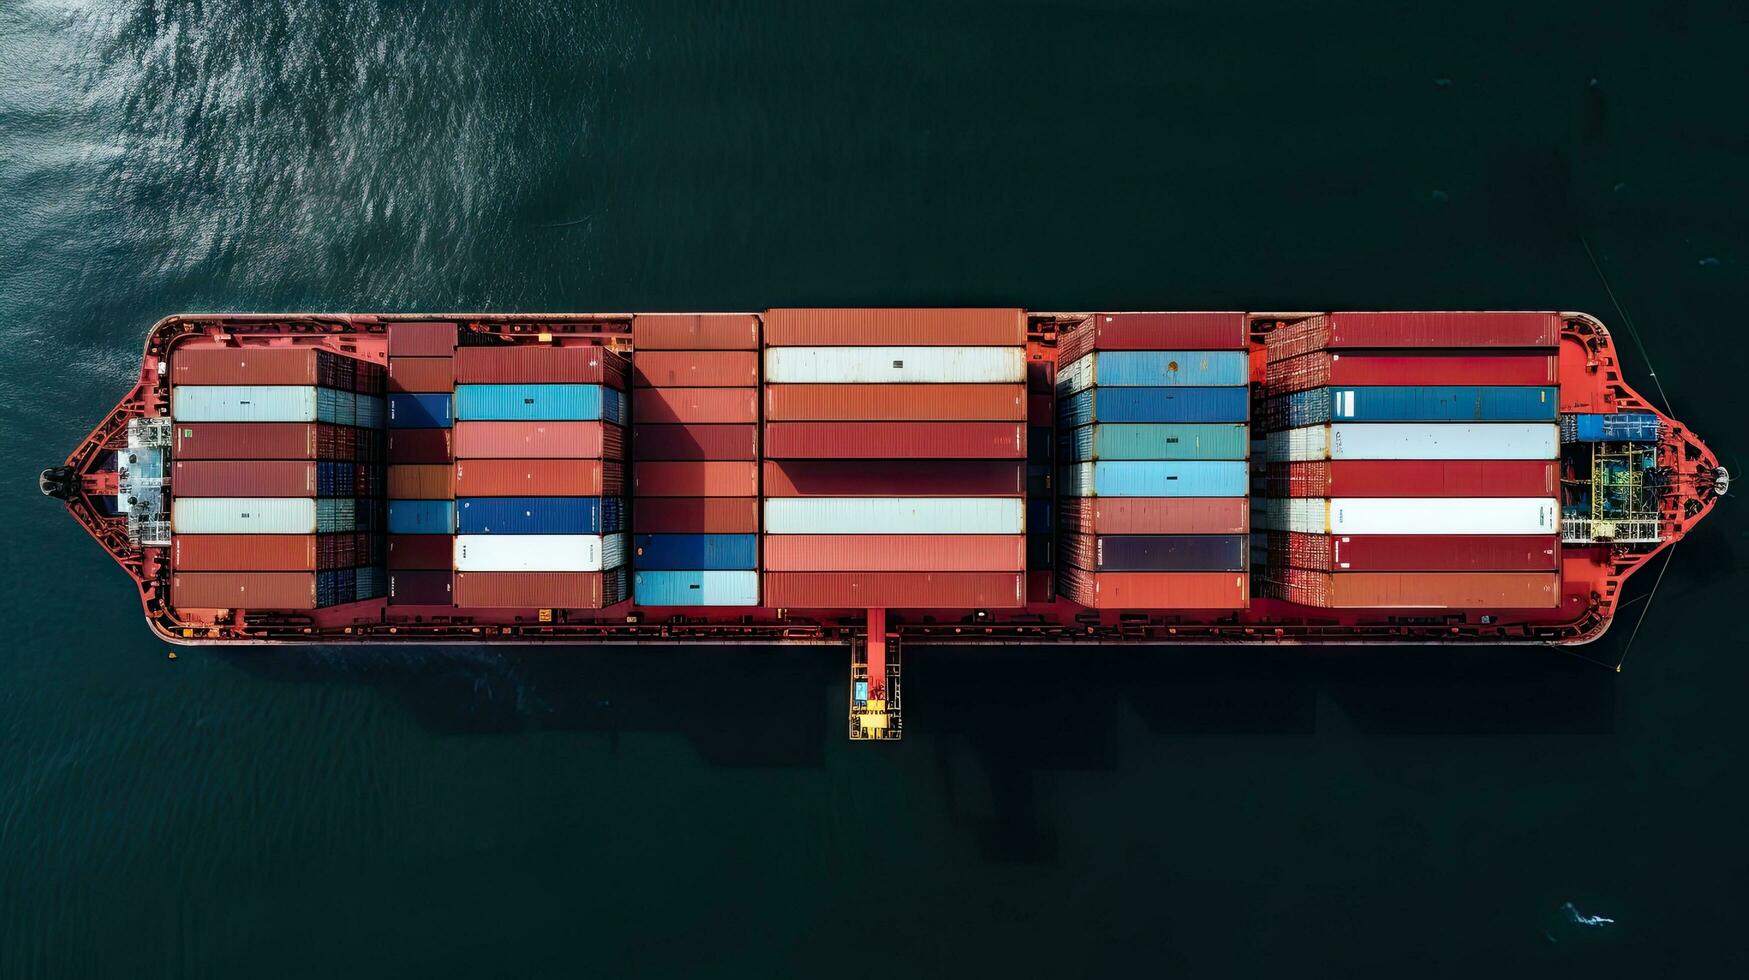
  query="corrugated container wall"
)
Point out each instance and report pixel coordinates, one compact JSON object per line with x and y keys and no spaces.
{"x":888,"y":326}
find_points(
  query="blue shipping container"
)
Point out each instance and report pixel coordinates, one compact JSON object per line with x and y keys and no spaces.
{"x":371,"y":411}
{"x":537,"y":515}
{"x":540,"y":403}
{"x":696,"y":588}
{"x":1154,"y":405}
{"x":421,"y":517}
{"x":1156,"y":478}
{"x":700,"y":551}
{"x":419,"y":412}
{"x":1156,"y":368}
{"x":1164,"y":440}
{"x":1613,"y":427}
{"x":370,"y":583}
{"x":1443,"y":403}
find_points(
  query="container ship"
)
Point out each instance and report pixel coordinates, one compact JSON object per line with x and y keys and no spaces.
{"x":876,"y":477}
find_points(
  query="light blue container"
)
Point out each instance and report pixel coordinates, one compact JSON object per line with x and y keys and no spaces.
{"x":1155,"y":478}
{"x":1612,"y":427}
{"x":696,"y":588}
{"x":1154,"y":405}
{"x":259,"y":403}
{"x":695,"y":551}
{"x":428,"y":411}
{"x":421,"y":517}
{"x":370,"y":582}
{"x":1155,"y":368}
{"x":540,"y":403}
{"x":1430,"y":403}
{"x":1123,"y":440}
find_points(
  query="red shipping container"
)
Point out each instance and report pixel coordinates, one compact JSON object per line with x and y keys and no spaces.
{"x":895,"y":553}
{"x":1415,"y":553}
{"x":420,"y":446}
{"x":422,"y":339}
{"x":895,"y":327}
{"x":243,"y":552}
{"x":257,"y":365}
{"x":695,"y":442}
{"x":421,"y":551}
{"x":695,"y":331}
{"x":1041,"y":375}
{"x":534,"y":363}
{"x":371,"y":379}
{"x":1385,"y":331}
{"x":1415,"y":478}
{"x":696,"y":369}
{"x":1155,"y":331}
{"x":1153,"y":515}
{"x":424,"y":481}
{"x":695,"y":515}
{"x":538,"y":478}
{"x":243,"y":590}
{"x":895,"y":402}
{"x":894,"y":478}
{"x":253,"y":440}
{"x":1154,"y":590}
{"x":697,"y":479}
{"x":894,"y":590}
{"x":539,"y":440}
{"x":243,"y":478}
{"x":693,"y":405}
{"x":1420,"y":590}
{"x":421,"y":374}
{"x":1041,"y":587}
{"x":895,"y":440}
{"x":1323,"y":368}
{"x":528,"y":590}
{"x":414,"y":587}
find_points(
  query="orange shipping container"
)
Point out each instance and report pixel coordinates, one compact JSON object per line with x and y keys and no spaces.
{"x":696,"y":369}
{"x":895,"y":590}
{"x":243,"y":552}
{"x":530,"y":590}
{"x":696,"y":515}
{"x":896,"y":403}
{"x":895,"y":440}
{"x":539,"y":440}
{"x":1421,"y":590}
{"x":693,"y":405}
{"x":427,"y":481}
{"x":243,"y":590}
{"x":538,"y":478}
{"x":243,"y":478}
{"x":1154,"y":515}
{"x":720,"y":478}
{"x":695,"y":331}
{"x":895,"y":327}
{"x":1154,"y":590}
{"x":895,"y":553}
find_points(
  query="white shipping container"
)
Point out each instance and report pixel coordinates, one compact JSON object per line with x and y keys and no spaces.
{"x":870,"y":365}
{"x":243,"y":515}
{"x":1415,"y":515}
{"x":533,"y":552}
{"x":244,"y":403}
{"x":895,"y":515}
{"x":1414,"y":440}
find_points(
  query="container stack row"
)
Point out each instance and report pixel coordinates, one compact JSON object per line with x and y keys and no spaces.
{"x":1153,"y":442}
{"x":421,"y":458}
{"x":1412,"y":461}
{"x":895,"y":458}
{"x":277,"y":481}
{"x":539,"y":481}
{"x":695,"y":452}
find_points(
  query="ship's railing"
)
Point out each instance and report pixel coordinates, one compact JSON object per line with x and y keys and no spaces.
{"x":1589,"y":530}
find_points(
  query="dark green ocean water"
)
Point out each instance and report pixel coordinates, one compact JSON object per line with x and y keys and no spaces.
{"x":473,"y":813}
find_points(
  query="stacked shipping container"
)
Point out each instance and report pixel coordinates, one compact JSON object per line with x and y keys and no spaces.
{"x":421,"y":463}
{"x":695,"y":448}
{"x":895,"y":458}
{"x":1411,"y":461}
{"x":1152,"y":447}
{"x":277,"y":478}
{"x":539,"y":477}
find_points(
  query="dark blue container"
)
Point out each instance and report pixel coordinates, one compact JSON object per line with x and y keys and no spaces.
{"x":531,"y":515}
{"x":1420,"y":403}
{"x":1154,"y":405}
{"x":1039,"y":443}
{"x":695,"y":551}
{"x":408,"y":411}
{"x":421,"y":517}
{"x":1039,"y":517}
{"x":1613,"y":427}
